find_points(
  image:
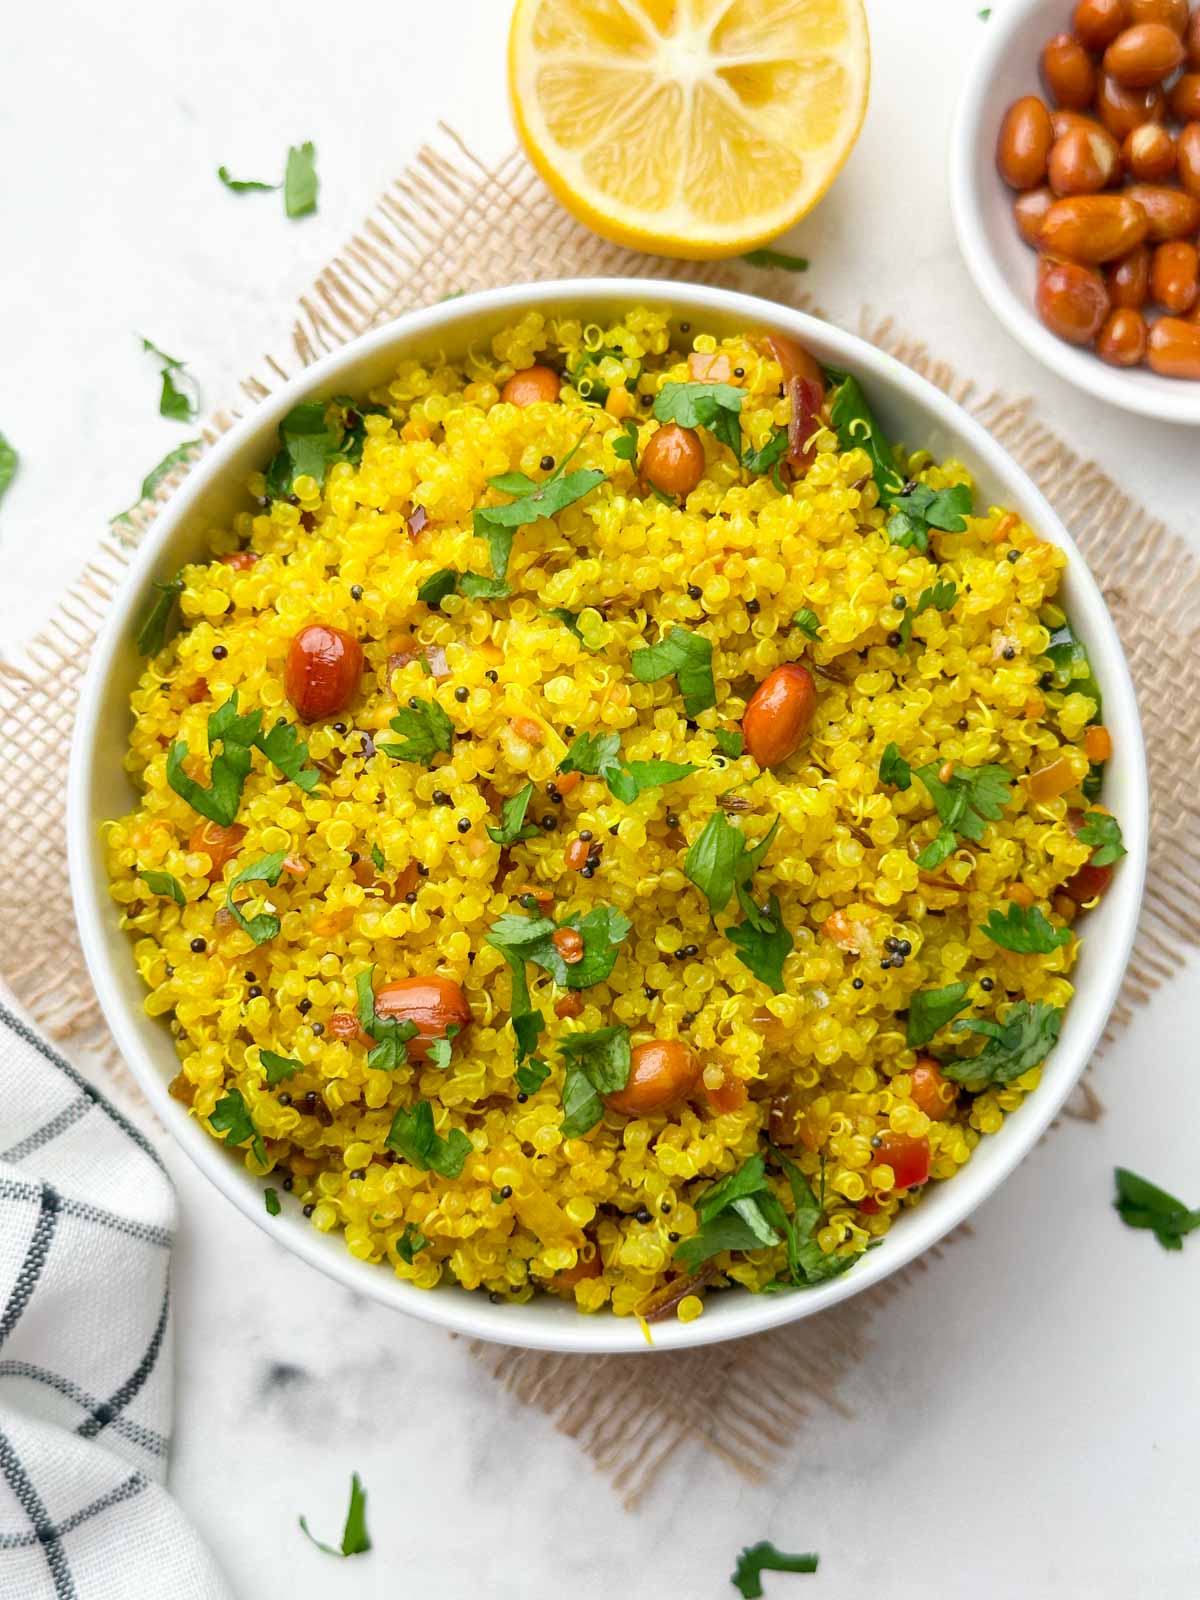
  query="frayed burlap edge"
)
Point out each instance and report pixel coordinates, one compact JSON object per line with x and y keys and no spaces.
{"x":451,"y":224}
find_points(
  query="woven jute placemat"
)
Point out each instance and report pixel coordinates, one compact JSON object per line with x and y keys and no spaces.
{"x":449,"y":224}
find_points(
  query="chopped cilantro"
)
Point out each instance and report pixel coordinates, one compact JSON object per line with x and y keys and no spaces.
{"x":513,"y":936}
{"x":805,"y":621}
{"x":244,"y":185}
{"x":894,"y":769}
{"x":266,"y":925}
{"x":931,"y":1009}
{"x":1070,"y":667}
{"x":271,"y":1201}
{"x":923,"y":508}
{"x":152,"y":634}
{"x":355,"y":1539}
{"x":1025,"y":931}
{"x":1141,"y":1204}
{"x":163,"y":883}
{"x":513,"y":827}
{"x":596,"y":1064}
{"x":764,"y":948}
{"x":570,"y":619}
{"x":410,"y":1242}
{"x":8,"y":464}
{"x":531,"y":1075}
{"x":279,"y":1068}
{"x":312,"y":436}
{"x":437,"y":586}
{"x":598,"y":755}
{"x":720,"y":862}
{"x":688,"y":658}
{"x":1104,"y":832}
{"x":238,"y":733}
{"x":173,"y":402}
{"x":231,"y":1117}
{"x":624,"y":445}
{"x":412,"y":1135}
{"x":391,"y":1036}
{"x":287,"y":751}
{"x":729,"y":742}
{"x":439,"y":1050}
{"x":300,"y":180}
{"x":426,"y":730}
{"x":377,"y":859}
{"x":603,"y":930}
{"x":966,"y":803}
{"x":771,"y":454}
{"x":595,"y":754}
{"x":854,"y":423}
{"x":1022,"y":1041}
{"x":476,"y":587}
{"x":531,"y":502}
{"x":756,"y":1559}
{"x":715,"y":406}
{"x":765,"y":256}
{"x":172,"y":459}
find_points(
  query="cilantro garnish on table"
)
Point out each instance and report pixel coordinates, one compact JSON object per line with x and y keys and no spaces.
{"x":172,"y":459}
{"x":1141,"y":1204}
{"x":9,"y":461}
{"x":685,"y":656}
{"x":300,"y":180}
{"x":355,"y":1539}
{"x":966,"y":802}
{"x":756,"y":1559}
{"x":715,"y":406}
{"x":231,"y":1116}
{"x":599,"y":755}
{"x":765,"y":256}
{"x":1015,"y":1046}
{"x":245,"y":185}
{"x":173,"y":402}
{"x":426,"y":730}
{"x":238,"y":733}
{"x":597,"y":1064}
{"x":413,"y":1136}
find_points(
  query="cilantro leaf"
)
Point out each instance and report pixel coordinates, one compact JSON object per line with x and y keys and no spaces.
{"x":624,"y":445}
{"x":1022,"y":1041}
{"x":854,"y":423}
{"x":894,"y":769}
{"x":152,"y":634}
{"x":8,"y":464}
{"x":266,"y":925}
{"x":635,"y":777}
{"x":410,"y":1242}
{"x":513,"y":827}
{"x":378,"y":859}
{"x":973,"y":797}
{"x":719,"y":861}
{"x":570,"y":619}
{"x":533,"y":501}
{"x":763,"y":950}
{"x":287,"y":751}
{"x":513,"y":936}
{"x":163,"y":883}
{"x":806,"y":622}
{"x":756,"y":1559}
{"x":412,"y":1135}
{"x":594,"y":754}
{"x":476,"y":587}
{"x":172,"y":401}
{"x":355,"y":1540}
{"x":1070,"y":667}
{"x":243,"y":185}
{"x":300,"y":180}
{"x":1104,"y":832}
{"x":685,"y":656}
{"x":729,"y":742}
{"x":771,"y":454}
{"x":1027,"y":932}
{"x":734,"y":1216}
{"x":531,"y":1075}
{"x":931,"y":1009}
{"x":923,"y":508}
{"x":1141,"y":1204}
{"x":279,"y":1068}
{"x":426,"y":730}
{"x":941,"y":596}
{"x":596,"y":1064}
{"x":236,"y":733}
{"x":271,"y":1201}
{"x":311,"y":437}
{"x":603,"y":930}
{"x":439,"y":1050}
{"x":715,"y":406}
{"x":437,"y":586}
{"x":155,"y":476}
{"x":765,"y":256}
{"x":231,"y":1117}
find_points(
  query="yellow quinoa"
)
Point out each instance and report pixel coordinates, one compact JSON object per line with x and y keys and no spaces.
{"x":821,"y":1069}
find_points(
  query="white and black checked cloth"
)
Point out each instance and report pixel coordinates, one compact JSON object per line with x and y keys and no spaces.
{"x":86,"y":1220}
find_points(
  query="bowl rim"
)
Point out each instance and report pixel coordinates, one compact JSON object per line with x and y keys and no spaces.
{"x":1080,"y":367}
{"x":470,"y":1312}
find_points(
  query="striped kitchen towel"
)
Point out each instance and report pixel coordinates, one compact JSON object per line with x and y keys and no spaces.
{"x":86,"y":1219}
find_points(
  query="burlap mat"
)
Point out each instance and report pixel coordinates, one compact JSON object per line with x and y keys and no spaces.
{"x":449,"y":224}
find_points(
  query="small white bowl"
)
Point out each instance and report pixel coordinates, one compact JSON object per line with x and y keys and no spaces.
{"x":908,"y":408}
{"x":1002,"y":264}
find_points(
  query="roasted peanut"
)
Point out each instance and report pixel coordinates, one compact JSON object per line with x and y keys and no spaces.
{"x":779,"y":714}
{"x":1093,"y":227}
{"x":1183,"y":98}
{"x":531,"y":384}
{"x":1072,"y":301}
{"x":434,"y":1004}
{"x":1191,"y":39}
{"x":1144,"y":55}
{"x":1083,"y":162}
{"x":1175,"y":277}
{"x":661,"y":1073}
{"x":1121,"y":110}
{"x":1149,"y":153}
{"x":1069,"y":72}
{"x":1188,"y":148}
{"x":324,"y":665}
{"x":1170,"y":213}
{"x":1030,"y":210}
{"x":1172,"y":14}
{"x":1024,"y":143}
{"x":673,"y":460}
{"x":1122,"y":340}
{"x":1173,"y":349}
{"x":1096,"y":23}
{"x":1129,"y":279}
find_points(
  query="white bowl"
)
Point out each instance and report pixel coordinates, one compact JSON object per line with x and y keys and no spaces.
{"x":908,"y":407}
{"x":1002,"y":264}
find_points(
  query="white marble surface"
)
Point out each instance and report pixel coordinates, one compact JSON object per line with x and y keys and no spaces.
{"x":1026,"y":1419}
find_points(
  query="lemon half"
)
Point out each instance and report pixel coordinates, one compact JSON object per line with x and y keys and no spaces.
{"x":690,"y":128}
